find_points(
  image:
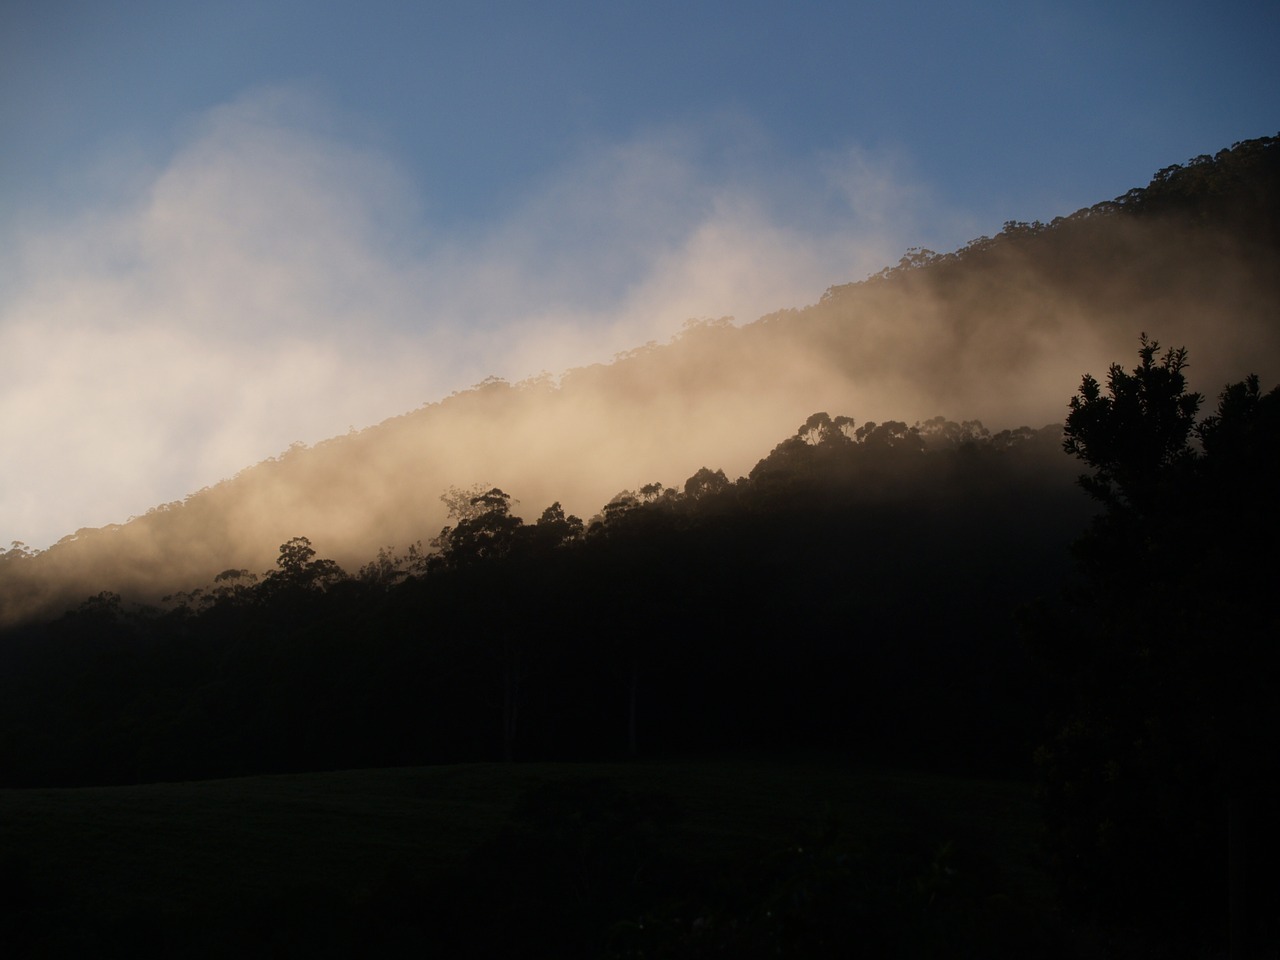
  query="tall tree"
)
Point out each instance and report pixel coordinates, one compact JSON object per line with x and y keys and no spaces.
{"x":1168,"y":733}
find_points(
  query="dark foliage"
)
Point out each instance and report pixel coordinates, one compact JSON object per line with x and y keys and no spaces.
{"x":853,"y":594}
{"x":1166,"y":754}
{"x":1238,"y":187}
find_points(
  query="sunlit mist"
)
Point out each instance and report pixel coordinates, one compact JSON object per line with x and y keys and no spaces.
{"x":270,"y":284}
{"x":268,"y":339}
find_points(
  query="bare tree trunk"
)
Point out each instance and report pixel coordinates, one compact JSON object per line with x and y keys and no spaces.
{"x":510,"y":700}
{"x":1237,"y":883}
{"x":633,"y":695}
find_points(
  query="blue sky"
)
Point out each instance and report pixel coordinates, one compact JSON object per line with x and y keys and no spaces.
{"x":227,"y":226}
{"x":1000,"y":107}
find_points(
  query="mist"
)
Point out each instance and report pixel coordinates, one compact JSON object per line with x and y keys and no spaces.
{"x":269,"y":340}
{"x":272,"y":283}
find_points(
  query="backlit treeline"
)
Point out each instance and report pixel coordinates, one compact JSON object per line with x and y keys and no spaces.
{"x":997,"y":331}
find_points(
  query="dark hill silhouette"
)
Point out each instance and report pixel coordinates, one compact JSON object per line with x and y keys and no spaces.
{"x":998,"y":330}
{"x":853,"y":594}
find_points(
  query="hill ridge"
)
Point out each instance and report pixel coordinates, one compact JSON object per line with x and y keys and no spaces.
{"x":998,"y":331}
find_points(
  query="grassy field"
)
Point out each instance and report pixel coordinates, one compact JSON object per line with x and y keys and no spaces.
{"x":641,"y":859}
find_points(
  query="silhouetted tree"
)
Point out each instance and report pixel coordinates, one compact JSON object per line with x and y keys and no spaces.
{"x":555,"y":529}
{"x":479,"y":550}
{"x":232,"y":586}
{"x":1135,"y":437}
{"x":940,"y":433}
{"x":297,"y":569}
{"x":1168,"y":731}
{"x":488,"y":531}
{"x":705,"y":483}
{"x":890,"y":434}
{"x":386,"y":570}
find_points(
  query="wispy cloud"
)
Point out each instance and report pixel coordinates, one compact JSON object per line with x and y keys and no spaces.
{"x":271,"y":282}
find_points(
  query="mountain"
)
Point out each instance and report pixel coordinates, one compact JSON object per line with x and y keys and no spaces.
{"x":999,"y":330}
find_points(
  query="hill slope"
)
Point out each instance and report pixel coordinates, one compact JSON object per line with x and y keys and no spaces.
{"x":1000,"y":330}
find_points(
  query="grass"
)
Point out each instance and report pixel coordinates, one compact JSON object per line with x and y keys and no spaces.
{"x":218,"y":865}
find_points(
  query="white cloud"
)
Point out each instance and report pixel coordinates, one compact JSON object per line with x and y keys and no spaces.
{"x":270,"y":283}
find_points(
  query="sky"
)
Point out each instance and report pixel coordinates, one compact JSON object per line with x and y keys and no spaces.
{"x":226,"y":227}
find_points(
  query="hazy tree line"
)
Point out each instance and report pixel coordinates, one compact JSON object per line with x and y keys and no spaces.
{"x":844,"y":594}
{"x":997,"y":330}
{"x":1236,"y":186}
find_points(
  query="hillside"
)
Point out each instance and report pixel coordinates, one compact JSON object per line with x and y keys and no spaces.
{"x":999,"y":331}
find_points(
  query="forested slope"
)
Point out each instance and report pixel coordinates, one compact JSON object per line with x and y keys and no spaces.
{"x":998,"y":331}
{"x":855,"y":593}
